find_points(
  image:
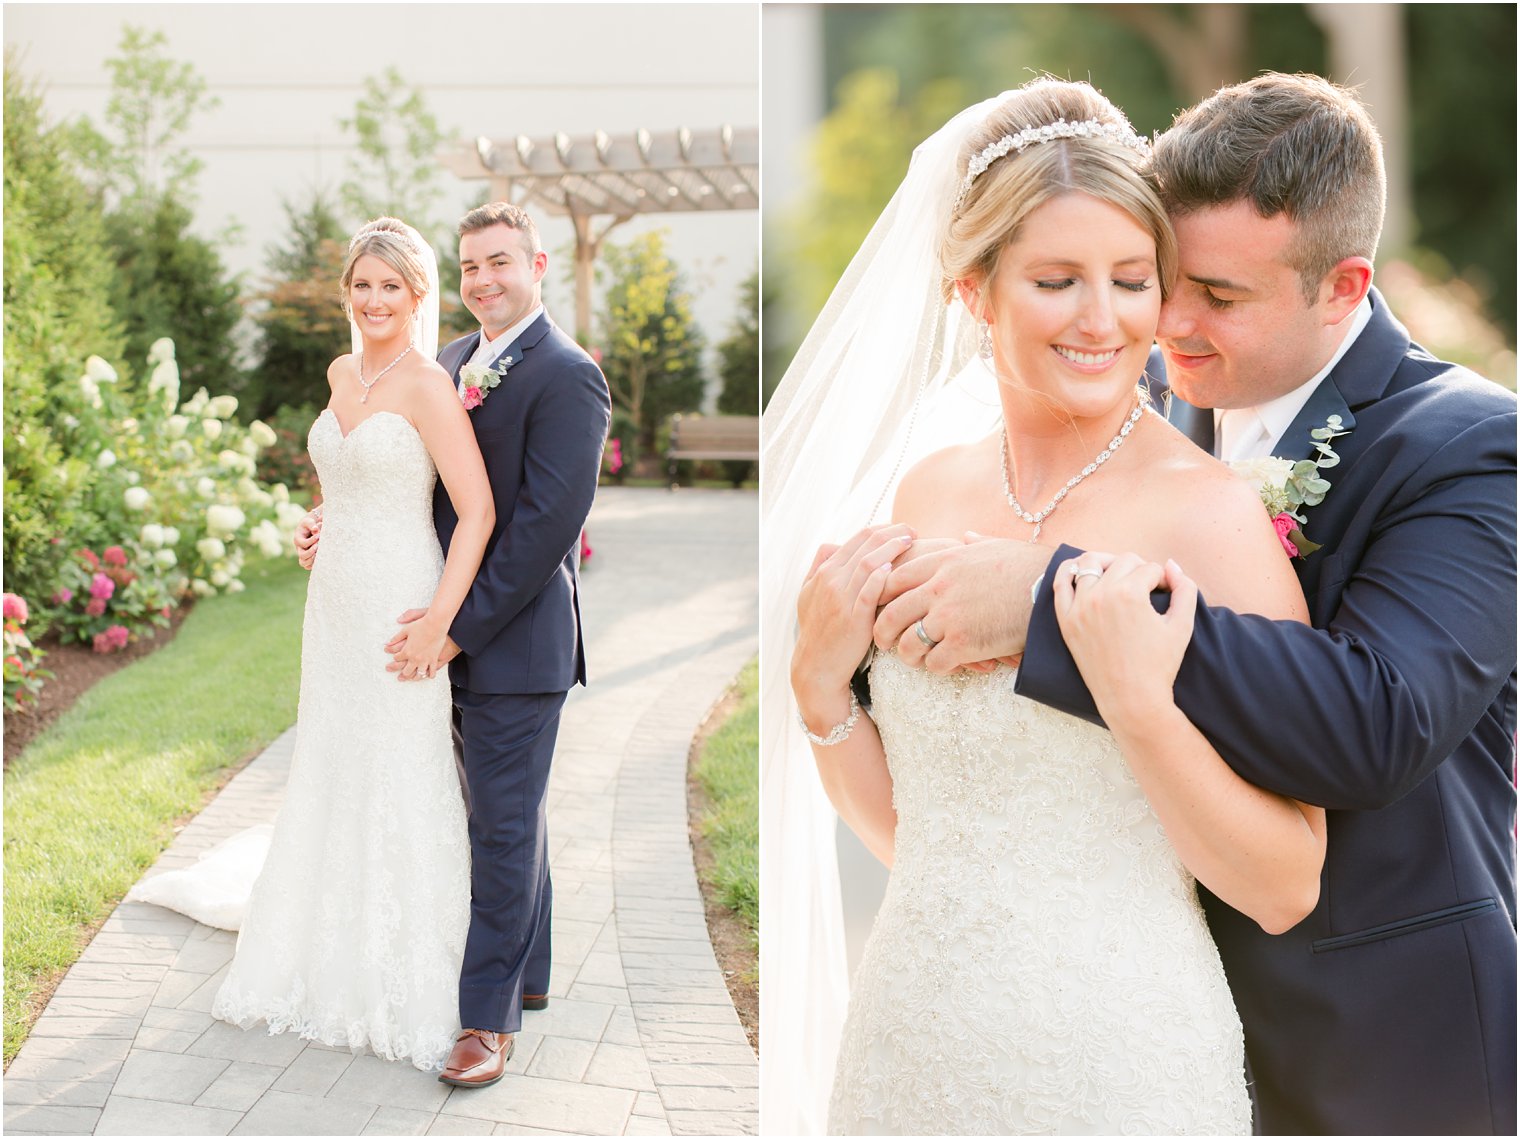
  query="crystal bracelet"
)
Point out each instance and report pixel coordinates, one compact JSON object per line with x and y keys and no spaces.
{"x":839,"y":732}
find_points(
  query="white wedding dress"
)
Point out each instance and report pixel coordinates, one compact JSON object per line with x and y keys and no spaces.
{"x":1040,"y":964}
{"x":356,"y":926}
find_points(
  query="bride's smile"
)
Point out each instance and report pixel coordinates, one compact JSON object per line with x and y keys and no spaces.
{"x":1073,"y":305}
{"x":381,"y":300}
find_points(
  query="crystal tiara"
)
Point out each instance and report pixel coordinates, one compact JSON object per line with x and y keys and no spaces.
{"x":1088,"y":128}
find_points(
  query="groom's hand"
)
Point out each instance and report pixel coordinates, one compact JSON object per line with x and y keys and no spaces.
{"x":972,"y":597}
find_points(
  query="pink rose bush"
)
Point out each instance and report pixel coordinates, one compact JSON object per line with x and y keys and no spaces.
{"x":23,"y":672}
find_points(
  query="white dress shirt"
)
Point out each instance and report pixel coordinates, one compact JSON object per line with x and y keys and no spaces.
{"x":1255,"y":432}
{"x":488,"y":350}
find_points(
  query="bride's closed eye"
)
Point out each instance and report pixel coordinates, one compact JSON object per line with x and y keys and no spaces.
{"x":1067,"y":282}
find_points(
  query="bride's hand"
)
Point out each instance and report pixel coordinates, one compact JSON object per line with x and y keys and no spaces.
{"x":837,"y":607}
{"x":420,"y":650}
{"x":1128,"y":653}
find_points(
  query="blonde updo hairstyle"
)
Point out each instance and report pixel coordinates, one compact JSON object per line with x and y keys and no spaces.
{"x":387,"y":239}
{"x":1014,"y":186}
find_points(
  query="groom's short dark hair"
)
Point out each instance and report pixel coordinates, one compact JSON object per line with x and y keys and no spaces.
{"x":1288,"y":144}
{"x":501,"y":213}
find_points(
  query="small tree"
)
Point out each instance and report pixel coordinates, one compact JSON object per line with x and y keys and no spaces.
{"x":152,"y":102}
{"x":739,"y":355}
{"x":173,"y":283}
{"x":303,"y":326}
{"x":395,"y":172}
{"x":653,"y":352}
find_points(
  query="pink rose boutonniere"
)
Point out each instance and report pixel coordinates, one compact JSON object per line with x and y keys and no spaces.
{"x":1287,"y":487}
{"x":477,"y":380}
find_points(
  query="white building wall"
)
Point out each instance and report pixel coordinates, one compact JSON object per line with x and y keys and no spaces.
{"x":285,"y":74}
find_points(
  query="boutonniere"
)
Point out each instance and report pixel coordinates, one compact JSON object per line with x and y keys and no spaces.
{"x":477,"y":380}
{"x":1287,"y":487}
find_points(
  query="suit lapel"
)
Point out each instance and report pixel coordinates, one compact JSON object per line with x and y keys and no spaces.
{"x":466,"y":348}
{"x":1325,"y":401}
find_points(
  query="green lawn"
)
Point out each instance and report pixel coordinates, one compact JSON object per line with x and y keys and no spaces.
{"x":90,"y":804}
{"x":729,"y":771}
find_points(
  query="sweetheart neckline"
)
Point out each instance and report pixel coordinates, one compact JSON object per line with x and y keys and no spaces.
{"x":344,"y":436}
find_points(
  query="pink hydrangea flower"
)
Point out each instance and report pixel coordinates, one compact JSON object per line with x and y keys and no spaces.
{"x":112,"y":639}
{"x":472,"y":398}
{"x":96,"y":608}
{"x":114,"y":556}
{"x":63,"y":596}
{"x":15,"y":607}
{"x":89,"y":557}
{"x":1285,"y":525}
{"x":101,"y":587}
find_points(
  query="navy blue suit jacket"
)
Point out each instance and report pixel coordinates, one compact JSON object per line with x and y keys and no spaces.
{"x":1391,"y":1008}
{"x":541,"y":431}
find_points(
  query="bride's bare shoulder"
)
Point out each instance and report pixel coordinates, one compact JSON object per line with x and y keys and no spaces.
{"x":932,"y":480}
{"x":1212,"y":521}
{"x":345,"y":361}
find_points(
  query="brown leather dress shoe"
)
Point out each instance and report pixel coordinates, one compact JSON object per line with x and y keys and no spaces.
{"x":479,"y":1058}
{"x":535,"y":1002}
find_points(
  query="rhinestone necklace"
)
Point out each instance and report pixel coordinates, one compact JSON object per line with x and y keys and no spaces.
{"x":1038,"y":518}
{"x":367,"y":384}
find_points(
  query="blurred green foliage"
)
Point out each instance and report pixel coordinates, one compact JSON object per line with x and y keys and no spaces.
{"x":895,"y":73}
{"x":59,"y":277}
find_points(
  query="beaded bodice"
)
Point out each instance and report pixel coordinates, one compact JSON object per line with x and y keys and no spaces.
{"x":1040,"y":961}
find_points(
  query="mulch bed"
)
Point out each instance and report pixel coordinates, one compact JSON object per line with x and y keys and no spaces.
{"x":76,"y":668}
{"x":731,"y":941}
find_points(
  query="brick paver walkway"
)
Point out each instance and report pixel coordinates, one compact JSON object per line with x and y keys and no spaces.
{"x":640,"y":1037}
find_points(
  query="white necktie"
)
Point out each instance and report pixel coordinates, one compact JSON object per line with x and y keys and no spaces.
{"x":1240,"y":434}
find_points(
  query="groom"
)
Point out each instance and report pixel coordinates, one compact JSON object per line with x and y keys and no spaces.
{"x":517,"y":636}
{"x":1391,"y":1008}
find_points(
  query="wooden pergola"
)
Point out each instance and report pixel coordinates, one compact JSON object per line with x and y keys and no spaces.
{"x":613,"y":178}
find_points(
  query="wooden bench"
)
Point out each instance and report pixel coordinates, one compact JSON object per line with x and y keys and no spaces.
{"x":735,"y":437}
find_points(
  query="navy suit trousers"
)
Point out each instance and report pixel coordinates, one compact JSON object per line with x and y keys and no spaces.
{"x":505,"y":744}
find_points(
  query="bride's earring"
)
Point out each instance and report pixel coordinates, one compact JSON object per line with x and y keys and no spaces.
{"x":984,"y":344}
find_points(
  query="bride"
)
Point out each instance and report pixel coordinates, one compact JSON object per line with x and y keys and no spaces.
{"x":1040,"y":963}
{"x":356,"y":925}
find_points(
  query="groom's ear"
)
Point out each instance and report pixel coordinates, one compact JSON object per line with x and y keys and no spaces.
{"x":540,"y":263}
{"x":1343,"y":288}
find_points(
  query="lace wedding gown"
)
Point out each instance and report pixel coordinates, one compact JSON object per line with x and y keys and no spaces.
{"x":1040,"y":964}
{"x":356,"y":926}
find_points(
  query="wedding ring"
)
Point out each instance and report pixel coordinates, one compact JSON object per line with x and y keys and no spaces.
{"x":923,"y":635}
{"x":1085,"y":572}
